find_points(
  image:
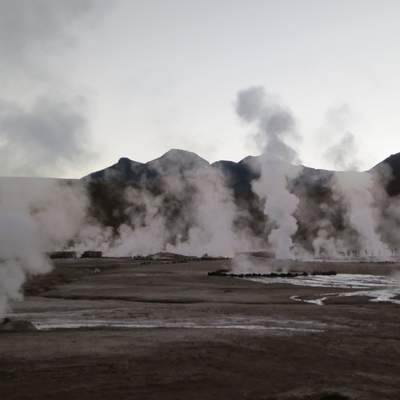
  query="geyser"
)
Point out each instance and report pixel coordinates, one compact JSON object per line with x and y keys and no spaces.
{"x":275,"y":124}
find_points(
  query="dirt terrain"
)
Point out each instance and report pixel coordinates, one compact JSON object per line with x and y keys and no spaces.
{"x":121,"y":329}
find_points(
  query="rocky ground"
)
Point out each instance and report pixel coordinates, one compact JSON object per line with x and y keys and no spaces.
{"x":118,"y":328}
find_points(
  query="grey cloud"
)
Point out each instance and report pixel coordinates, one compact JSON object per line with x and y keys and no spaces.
{"x":29,"y":25}
{"x":48,"y":134}
{"x":46,"y":138}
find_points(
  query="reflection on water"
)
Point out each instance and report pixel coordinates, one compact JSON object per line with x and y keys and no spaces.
{"x":378,"y":288}
{"x":165,"y":325}
{"x":88,"y":319}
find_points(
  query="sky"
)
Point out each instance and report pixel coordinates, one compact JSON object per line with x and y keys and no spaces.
{"x":85,"y":82}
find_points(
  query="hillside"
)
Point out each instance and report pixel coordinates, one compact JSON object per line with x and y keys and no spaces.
{"x":170,"y":196}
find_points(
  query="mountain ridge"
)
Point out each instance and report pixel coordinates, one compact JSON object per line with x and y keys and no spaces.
{"x":238,"y":174}
{"x":185,"y":191}
{"x":177,"y":155}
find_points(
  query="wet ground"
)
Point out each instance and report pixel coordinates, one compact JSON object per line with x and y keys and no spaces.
{"x":114,"y":328}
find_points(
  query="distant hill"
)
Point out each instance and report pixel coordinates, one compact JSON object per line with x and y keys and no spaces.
{"x":238,"y":175}
{"x":177,"y":162}
{"x":312,"y":186}
{"x":130,"y":192}
{"x":174,"y":162}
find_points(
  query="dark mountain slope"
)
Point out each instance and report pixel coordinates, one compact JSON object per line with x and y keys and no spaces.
{"x":177,"y":184}
{"x":172,"y":178}
{"x":390,"y":170}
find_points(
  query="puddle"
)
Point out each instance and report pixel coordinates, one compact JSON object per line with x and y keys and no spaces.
{"x":343,"y":281}
{"x":377,"y":296}
{"x":318,"y":302}
{"x":165,"y":325}
{"x":83,"y":319}
{"x":378,"y":288}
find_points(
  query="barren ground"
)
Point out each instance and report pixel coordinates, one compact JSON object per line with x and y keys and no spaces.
{"x":115,"y":329}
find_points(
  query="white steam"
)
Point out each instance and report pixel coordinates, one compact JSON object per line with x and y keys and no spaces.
{"x":361,"y":212}
{"x":275,"y":125}
{"x":35,"y":218}
{"x":193,"y":215}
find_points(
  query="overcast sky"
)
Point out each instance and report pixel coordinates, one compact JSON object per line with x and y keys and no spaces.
{"x":86,"y":82}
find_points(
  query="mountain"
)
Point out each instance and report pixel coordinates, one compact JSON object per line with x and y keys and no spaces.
{"x":177,"y":163}
{"x":238,"y":175}
{"x":390,"y":169}
{"x":182,"y":189}
{"x":173,"y":180}
{"x":173,"y":162}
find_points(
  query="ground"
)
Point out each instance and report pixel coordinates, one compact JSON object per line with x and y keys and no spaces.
{"x":120,"y":329}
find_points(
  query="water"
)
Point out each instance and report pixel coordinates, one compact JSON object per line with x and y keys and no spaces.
{"x":378,"y":288}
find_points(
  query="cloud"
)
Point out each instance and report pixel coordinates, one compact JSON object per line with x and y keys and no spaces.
{"x":42,"y":131}
{"x":44,"y":139}
{"x":31,"y":27}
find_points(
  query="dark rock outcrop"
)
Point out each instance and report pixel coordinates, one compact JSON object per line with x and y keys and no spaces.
{"x":9,"y":325}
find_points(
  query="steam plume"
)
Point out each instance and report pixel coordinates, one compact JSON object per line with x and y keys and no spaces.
{"x":35,"y":217}
{"x":342,"y":154}
{"x":361,"y":212}
{"x":275,"y":124}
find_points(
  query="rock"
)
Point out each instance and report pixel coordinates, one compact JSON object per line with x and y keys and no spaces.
{"x":9,"y":325}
